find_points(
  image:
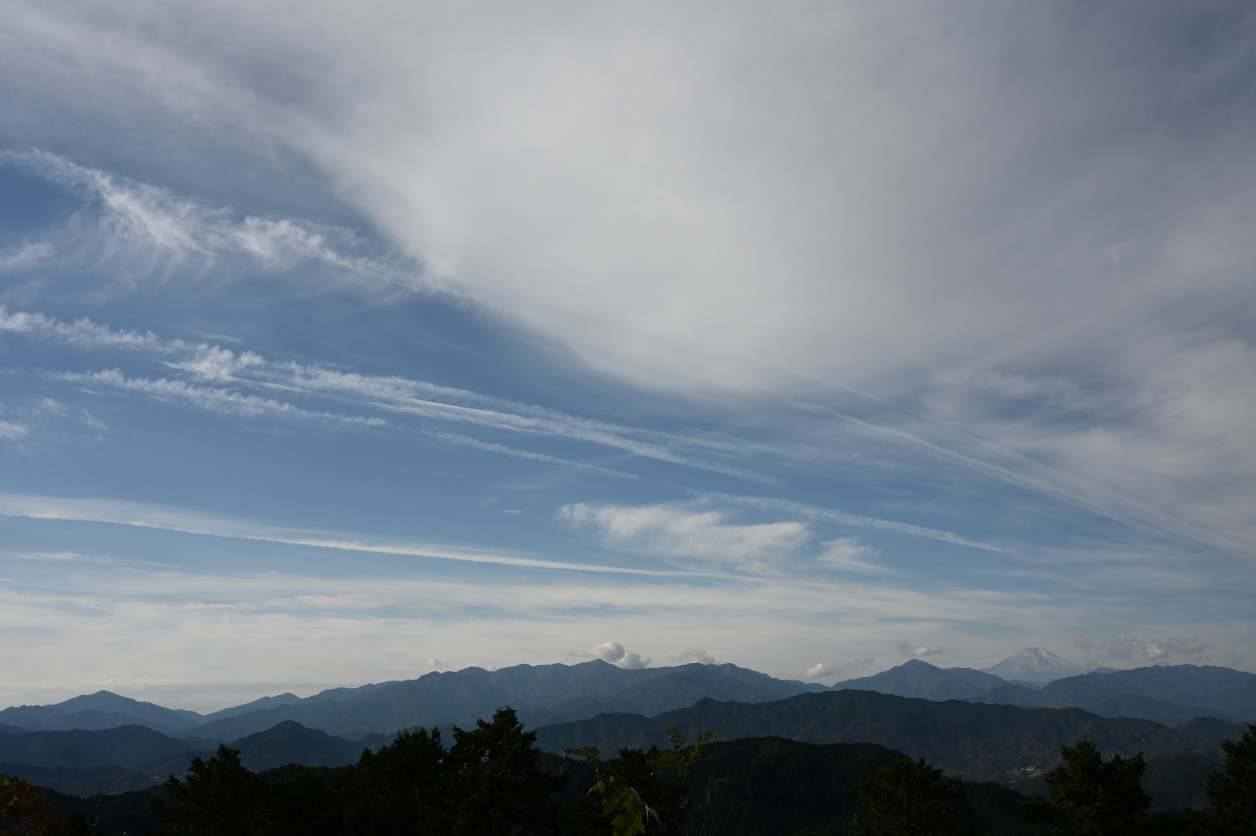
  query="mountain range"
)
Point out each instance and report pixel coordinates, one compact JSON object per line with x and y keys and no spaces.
{"x":984,"y":742}
{"x":549,"y":694}
{"x":977,"y":740}
{"x":1167,"y":694}
{"x":542,"y":694}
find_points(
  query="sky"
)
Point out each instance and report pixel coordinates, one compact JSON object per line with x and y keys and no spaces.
{"x":342,"y":343}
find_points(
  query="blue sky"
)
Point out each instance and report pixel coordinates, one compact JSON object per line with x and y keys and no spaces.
{"x":346,"y":345}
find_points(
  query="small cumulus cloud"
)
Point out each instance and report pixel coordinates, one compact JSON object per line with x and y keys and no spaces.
{"x":675,"y":530}
{"x":614,"y":653}
{"x":909,"y":649}
{"x":212,"y":362}
{"x":822,"y":670}
{"x":692,"y":656}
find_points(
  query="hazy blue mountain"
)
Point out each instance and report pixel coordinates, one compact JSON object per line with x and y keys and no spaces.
{"x":1134,"y":705}
{"x":83,"y":762}
{"x":84,"y":782}
{"x":103,"y":709}
{"x":1009,"y":693}
{"x":1104,"y":704}
{"x":1220,"y":692}
{"x":1177,"y":781}
{"x":1170,"y":695}
{"x":11,"y":729}
{"x":980,"y":741}
{"x":541,"y":693}
{"x":124,"y":746}
{"x":291,"y":742}
{"x":1033,"y":664}
{"x":682,"y":687}
{"x":1210,"y":727}
{"x":91,"y":719}
{"x":916,"y":678}
{"x":262,"y":702}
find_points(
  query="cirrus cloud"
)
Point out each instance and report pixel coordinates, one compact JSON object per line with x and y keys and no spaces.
{"x":678,"y":531}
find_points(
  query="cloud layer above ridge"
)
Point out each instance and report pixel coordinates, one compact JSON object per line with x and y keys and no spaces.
{"x":1014,"y":219}
{"x":939,"y":309}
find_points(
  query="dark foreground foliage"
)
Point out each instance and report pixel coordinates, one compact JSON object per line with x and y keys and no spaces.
{"x":493,"y":780}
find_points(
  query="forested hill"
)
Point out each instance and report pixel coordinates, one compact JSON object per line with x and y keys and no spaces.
{"x":976,"y":740}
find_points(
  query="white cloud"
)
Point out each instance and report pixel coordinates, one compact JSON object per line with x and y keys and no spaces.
{"x":823,"y":670}
{"x":908,"y":649}
{"x":23,"y":257}
{"x":11,"y":431}
{"x":778,"y":201}
{"x":214,"y":399}
{"x":400,"y":396}
{"x":1124,"y":648}
{"x":849,"y":553}
{"x":157,"y":227}
{"x":140,"y":515}
{"x":614,"y":653}
{"x":72,"y":557}
{"x":679,"y":531}
{"x":785,"y":506}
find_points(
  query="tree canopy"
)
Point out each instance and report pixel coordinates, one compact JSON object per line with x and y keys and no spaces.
{"x":1090,"y":796}
{"x":911,"y":798}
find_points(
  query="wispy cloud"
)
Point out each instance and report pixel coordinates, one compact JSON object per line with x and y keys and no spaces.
{"x":849,"y":553}
{"x":12,"y":432}
{"x":678,"y":531}
{"x":784,"y":506}
{"x":189,"y":522}
{"x":1121,"y":648}
{"x":401,"y":396}
{"x":213,"y":399}
{"x":917,"y":651}
{"x":154,"y":221}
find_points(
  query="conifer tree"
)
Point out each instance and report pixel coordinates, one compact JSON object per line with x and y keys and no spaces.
{"x":1092,"y":797}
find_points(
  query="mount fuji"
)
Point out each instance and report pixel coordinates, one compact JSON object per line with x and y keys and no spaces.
{"x":1033,"y":664}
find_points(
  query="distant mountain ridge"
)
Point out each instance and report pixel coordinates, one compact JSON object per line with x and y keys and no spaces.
{"x":541,"y":694}
{"x":977,"y":740}
{"x":917,"y":678}
{"x":1167,"y":693}
{"x":549,"y":694}
{"x":100,"y":710}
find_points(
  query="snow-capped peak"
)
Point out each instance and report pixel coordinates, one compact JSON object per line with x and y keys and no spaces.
{"x":1033,"y":664}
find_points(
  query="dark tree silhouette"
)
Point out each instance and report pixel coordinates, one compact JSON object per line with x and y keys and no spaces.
{"x":1091,"y":797}
{"x":911,"y":798}
{"x":1231,"y":792}
{"x":498,"y":789}
{"x":401,"y":788}
{"x":219,"y":797}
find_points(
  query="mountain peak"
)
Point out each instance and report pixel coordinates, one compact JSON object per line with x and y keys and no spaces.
{"x":1033,"y":664}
